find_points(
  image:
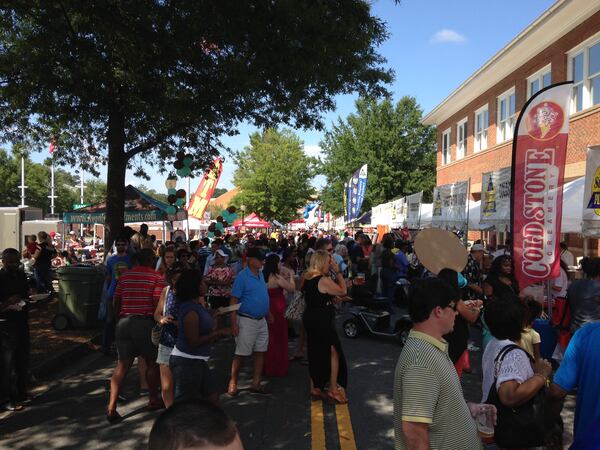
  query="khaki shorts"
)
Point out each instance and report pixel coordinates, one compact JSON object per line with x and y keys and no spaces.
{"x":132,"y":337}
{"x":253,"y":336}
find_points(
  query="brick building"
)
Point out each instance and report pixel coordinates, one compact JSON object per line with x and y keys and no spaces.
{"x":475,"y":123}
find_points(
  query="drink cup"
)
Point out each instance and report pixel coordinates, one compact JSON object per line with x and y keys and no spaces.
{"x":485,"y":421}
{"x":360,"y":278}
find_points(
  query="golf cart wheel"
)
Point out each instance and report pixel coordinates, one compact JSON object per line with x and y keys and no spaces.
{"x":350,"y":328}
{"x":60,"y":322}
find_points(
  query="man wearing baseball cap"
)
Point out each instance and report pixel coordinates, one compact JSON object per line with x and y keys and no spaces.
{"x":248,"y":323}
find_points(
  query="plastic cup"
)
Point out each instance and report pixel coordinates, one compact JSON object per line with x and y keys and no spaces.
{"x":360,"y":278}
{"x":485,"y":421}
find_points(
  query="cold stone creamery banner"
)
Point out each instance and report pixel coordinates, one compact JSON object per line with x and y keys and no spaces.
{"x":539,"y":153}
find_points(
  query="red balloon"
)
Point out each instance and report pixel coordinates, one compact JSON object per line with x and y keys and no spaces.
{"x":212,"y":227}
{"x":219,"y":218}
{"x":180,"y":155}
{"x":178,"y":164}
{"x":172,"y":198}
{"x":217,"y":233}
{"x":231,"y":209}
{"x":180,"y":193}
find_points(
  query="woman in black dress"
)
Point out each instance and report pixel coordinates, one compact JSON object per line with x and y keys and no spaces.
{"x":326,"y":361}
{"x":501,"y":281}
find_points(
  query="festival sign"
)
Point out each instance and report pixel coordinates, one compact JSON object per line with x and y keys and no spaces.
{"x":538,"y":163}
{"x":200,"y":199}
{"x":591,"y":196}
{"x":450,"y":206}
{"x":413,"y":210}
{"x":495,"y":200}
{"x":357,"y":187}
{"x":398,"y":211}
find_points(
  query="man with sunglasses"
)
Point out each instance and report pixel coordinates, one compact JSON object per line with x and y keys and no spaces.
{"x":429,"y":408}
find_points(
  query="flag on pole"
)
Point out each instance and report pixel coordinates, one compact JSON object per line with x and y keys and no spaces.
{"x":356,"y":192}
{"x":538,"y":164}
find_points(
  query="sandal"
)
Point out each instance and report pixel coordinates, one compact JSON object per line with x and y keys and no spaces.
{"x":113,"y":417}
{"x":260,"y":390}
{"x":337,"y":397}
{"x":317,"y":394}
{"x":12,"y":407}
{"x":232,"y":390}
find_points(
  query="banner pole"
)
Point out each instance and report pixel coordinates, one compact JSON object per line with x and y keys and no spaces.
{"x":468,"y":208}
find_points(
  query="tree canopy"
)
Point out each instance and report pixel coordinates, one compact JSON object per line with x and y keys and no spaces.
{"x":125,"y":82}
{"x":274,"y":175}
{"x":391,"y":139}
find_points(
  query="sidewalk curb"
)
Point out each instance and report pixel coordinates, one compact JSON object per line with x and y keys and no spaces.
{"x":51,"y":365}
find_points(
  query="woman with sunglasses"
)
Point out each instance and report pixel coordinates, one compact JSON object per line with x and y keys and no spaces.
{"x":166,"y":314}
{"x":468,"y":313}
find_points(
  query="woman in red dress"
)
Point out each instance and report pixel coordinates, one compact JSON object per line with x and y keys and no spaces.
{"x":276,"y":359}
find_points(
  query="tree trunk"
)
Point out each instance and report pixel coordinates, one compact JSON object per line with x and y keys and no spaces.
{"x":115,"y":180}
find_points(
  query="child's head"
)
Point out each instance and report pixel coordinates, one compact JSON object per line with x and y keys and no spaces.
{"x":194,"y":424}
{"x":533,"y":310}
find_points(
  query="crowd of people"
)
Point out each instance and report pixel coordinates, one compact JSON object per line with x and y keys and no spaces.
{"x":166,"y":303}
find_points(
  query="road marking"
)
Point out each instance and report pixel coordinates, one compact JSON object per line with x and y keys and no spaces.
{"x":345,"y":433}
{"x":317,"y":425}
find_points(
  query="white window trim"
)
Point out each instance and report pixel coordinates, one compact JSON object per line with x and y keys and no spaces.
{"x":449,"y":159}
{"x":461,"y":152}
{"x":586,"y":101}
{"x":539,"y":75}
{"x":506,"y":94}
{"x":484,"y":132}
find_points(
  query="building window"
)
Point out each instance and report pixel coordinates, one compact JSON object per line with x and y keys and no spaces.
{"x":539,"y":81}
{"x":584,"y":70}
{"x":446,"y":147}
{"x":506,"y":115}
{"x":481,"y":128}
{"x":461,"y":141}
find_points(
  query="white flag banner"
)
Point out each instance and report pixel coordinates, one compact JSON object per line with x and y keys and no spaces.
{"x":398,"y":212}
{"x":495,"y":200}
{"x":450,"y":206}
{"x":591,"y":194}
{"x":413,"y":210}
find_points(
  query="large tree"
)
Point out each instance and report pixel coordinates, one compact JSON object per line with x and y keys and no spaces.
{"x":274,"y":175}
{"x":125,"y":82}
{"x":391,"y":139}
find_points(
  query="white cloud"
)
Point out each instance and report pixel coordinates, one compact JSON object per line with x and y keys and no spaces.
{"x":313,"y":150}
{"x":447,"y":35}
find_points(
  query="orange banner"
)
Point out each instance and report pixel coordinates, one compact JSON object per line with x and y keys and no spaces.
{"x":200,"y":199}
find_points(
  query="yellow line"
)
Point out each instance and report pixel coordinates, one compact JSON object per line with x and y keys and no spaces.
{"x":344,"y":425}
{"x":317,"y":425}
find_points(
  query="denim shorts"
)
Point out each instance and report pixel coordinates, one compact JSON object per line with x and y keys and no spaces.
{"x":164,"y":353}
{"x":192,"y":378}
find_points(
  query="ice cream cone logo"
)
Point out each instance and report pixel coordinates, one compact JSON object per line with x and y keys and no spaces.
{"x":544,"y":121}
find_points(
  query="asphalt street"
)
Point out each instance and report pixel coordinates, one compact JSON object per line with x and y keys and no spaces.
{"x":69,"y":413}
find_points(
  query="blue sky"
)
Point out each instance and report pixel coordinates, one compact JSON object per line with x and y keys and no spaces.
{"x":434,"y":45}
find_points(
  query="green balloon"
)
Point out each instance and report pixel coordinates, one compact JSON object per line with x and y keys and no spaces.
{"x":211,"y":234}
{"x":180,"y":202}
{"x":219,"y":226}
{"x":172,"y":191}
{"x":187,"y":162}
{"x":171,"y":210}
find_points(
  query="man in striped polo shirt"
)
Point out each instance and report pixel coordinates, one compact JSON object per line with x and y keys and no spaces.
{"x":429,"y":407}
{"x":135,"y":299}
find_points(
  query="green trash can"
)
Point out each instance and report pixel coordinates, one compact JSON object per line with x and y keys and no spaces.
{"x":79,"y":296}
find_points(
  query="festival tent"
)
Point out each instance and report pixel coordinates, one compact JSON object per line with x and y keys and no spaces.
{"x":252,"y":221}
{"x":139,"y":207}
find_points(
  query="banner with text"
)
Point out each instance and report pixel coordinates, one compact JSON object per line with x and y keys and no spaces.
{"x":591,"y":195}
{"x":538,"y":163}
{"x":357,"y":187}
{"x":495,"y":200}
{"x":398,"y":211}
{"x":413,"y":210}
{"x":200,"y":199}
{"x":450,"y":206}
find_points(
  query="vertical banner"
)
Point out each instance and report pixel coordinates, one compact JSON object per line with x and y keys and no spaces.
{"x":538,"y":164}
{"x":346,"y":202}
{"x":495,"y":200}
{"x":591,"y":194}
{"x":356,"y":192}
{"x":398,"y":212}
{"x":450,"y":206}
{"x":413,"y":210}
{"x":200,"y":199}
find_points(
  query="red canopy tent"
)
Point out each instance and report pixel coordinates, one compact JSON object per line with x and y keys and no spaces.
{"x":252,"y":221}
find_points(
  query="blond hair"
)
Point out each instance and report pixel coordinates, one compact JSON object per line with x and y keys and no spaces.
{"x":318,"y":260}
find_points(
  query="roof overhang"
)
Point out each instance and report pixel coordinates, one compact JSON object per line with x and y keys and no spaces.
{"x":555,"y":22}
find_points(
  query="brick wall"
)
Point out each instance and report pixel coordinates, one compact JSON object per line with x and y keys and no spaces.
{"x":584,"y":127}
